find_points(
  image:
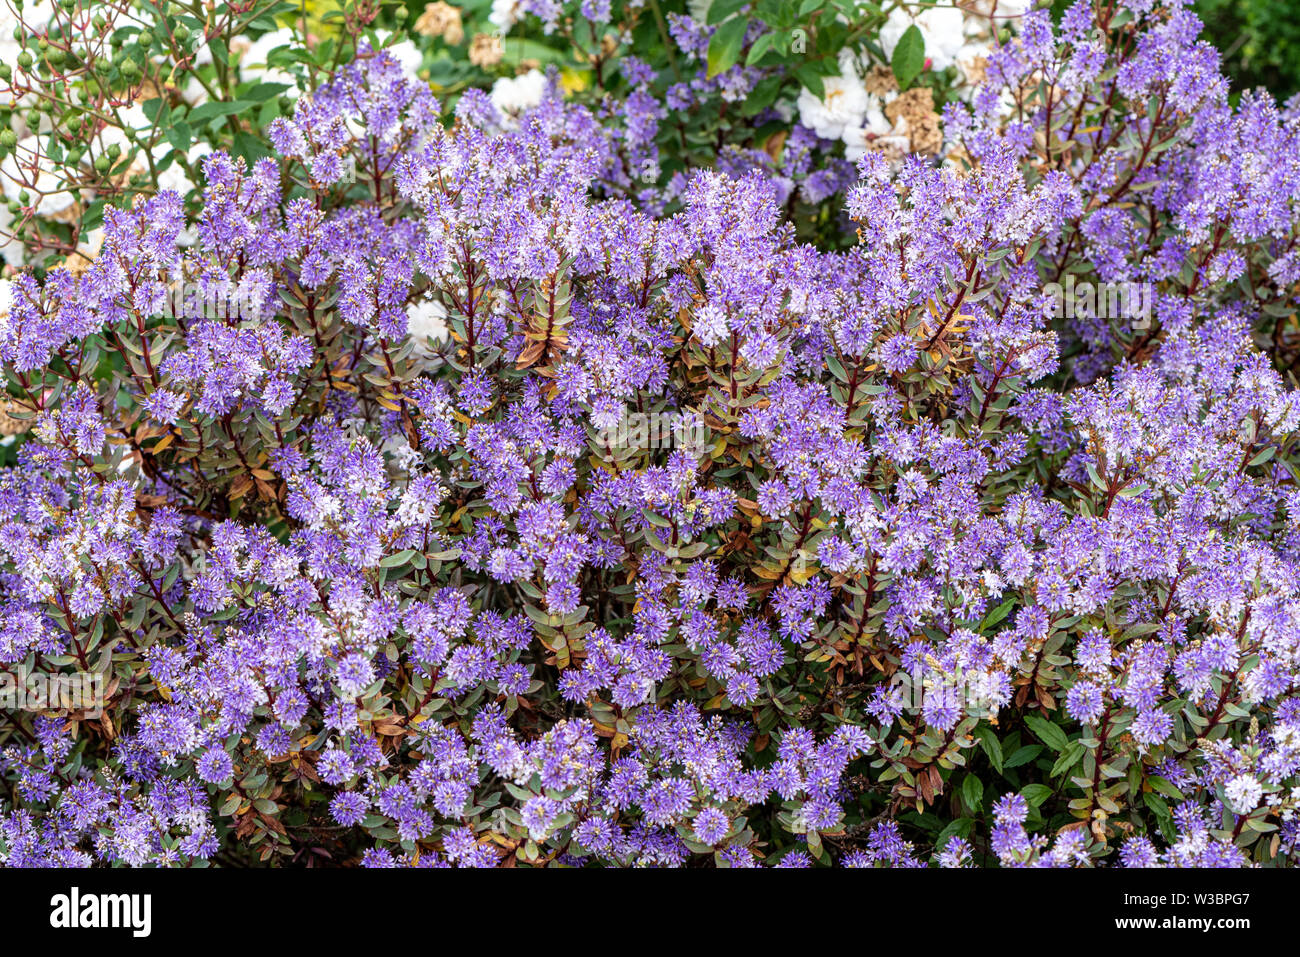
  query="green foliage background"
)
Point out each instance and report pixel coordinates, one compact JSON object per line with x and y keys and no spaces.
{"x":1259,"y":40}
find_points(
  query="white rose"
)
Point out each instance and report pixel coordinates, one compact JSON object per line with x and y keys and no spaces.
{"x":874,"y":125}
{"x":970,"y":60}
{"x":513,"y":95}
{"x":406,"y":53}
{"x":1008,"y":10}
{"x":193,"y":92}
{"x":130,"y":118}
{"x":426,"y":320}
{"x":844,"y":105}
{"x":505,"y":14}
{"x":942,"y":29}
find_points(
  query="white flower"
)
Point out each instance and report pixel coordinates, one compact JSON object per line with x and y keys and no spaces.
{"x":406,"y":53}
{"x":971,"y":62}
{"x":513,"y":95}
{"x":844,"y":106}
{"x":424,"y":321}
{"x":1008,"y":10}
{"x":873,"y":127}
{"x":505,"y":14}
{"x":1243,"y":793}
{"x":942,"y":29}
{"x":42,"y":183}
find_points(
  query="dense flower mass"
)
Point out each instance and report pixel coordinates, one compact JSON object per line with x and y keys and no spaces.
{"x":475,"y":483}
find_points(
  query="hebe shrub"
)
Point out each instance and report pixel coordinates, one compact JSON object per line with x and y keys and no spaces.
{"x":376,"y":570}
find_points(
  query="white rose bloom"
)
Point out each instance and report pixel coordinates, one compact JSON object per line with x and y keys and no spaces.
{"x":970,"y":61}
{"x":406,"y":53}
{"x":505,"y":14}
{"x":874,"y":126}
{"x":424,"y":321}
{"x":942,"y":29}
{"x":1008,"y":10}
{"x":843,"y":107}
{"x":16,"y":176}
{"x":513,"y":95}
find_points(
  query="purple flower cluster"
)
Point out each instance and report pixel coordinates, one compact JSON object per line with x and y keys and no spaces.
{"x":379,"y":566}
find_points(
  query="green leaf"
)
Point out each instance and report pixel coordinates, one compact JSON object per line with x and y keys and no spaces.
{"x":1048,"y":733}
{"x":249,"y":147}
{"x":997,"y":614}
{"x":179,"y":135}
{"x":809,"y":76}
{"x":961,"y":827}
{"x":761,"y":46}
{"x":1023,"y":756}
{"x":1069,"y":758}
{"x":155,"y":109}
{"x":219,"y":52}
{"x":719,"y":10}
{"x":210,"y":111}
{"x":263,"y":92}
{"x":1164,"y":787}
{"x":398,"y":559}
{"x":1262,"y":457}
{"x":972,"y":792}
{"x":909,"y":56}
{"x":518,"y":48}
{"x":762,"y":96}
{"x":1160,"y":809}
{"x":991,"y":746}
{"x":724,"y":45}
{"x":1035,"y":794}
